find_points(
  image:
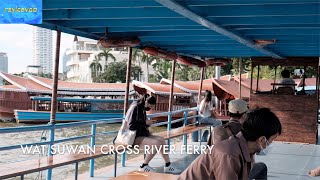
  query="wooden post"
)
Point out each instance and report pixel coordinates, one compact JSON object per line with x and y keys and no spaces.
{"x":275,"y":77}
{"x":240,"y":78}
{"x":258,"y":77}
{"x":251,"y":78}
{"x":128,"y":76}
{"x":173,"y":72}
{"x":200,"y":86}
{"x":55,"y":80}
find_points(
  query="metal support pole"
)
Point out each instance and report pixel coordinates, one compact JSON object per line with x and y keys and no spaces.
{"x":275,"y":77}
{"x":128,"y":76}
{"x":22,"y":177}
{"x":126,"y":98}
{"x":92,"y":145}
{"x":76,"y":171}
{"x":251,"y":78}
{"x":240,"y":78}
{"x":201,"y":84}
{"x":55,"y":81}
{"x":217,"y":76}
{"x":173,"y":72}
{"x":115,"y":164}
{"x":185,"y":115}
{"x":258,"y":77}
{"x":49,"y":171}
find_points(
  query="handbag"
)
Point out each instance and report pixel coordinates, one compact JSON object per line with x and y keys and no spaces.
{"x":125,"y":135}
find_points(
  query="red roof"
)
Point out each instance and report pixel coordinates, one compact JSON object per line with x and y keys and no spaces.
{"x":9,"y":87}
{"x":23,"y":83}
{"x":231,"y":87}
{"x":190,"y":86}
{"x":160,"y":89}
{"x":64,"y":85}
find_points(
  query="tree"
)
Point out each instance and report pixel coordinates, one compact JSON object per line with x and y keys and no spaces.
{"x":136,"y":55}
{"x":162,"y":68}
{"x":116,"y":72}
{"x":96,"y":69}
{"x":145,"y":58}
{"x":106,"y":54}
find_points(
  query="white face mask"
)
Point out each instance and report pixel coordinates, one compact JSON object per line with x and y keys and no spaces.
{"x":265,"y":151}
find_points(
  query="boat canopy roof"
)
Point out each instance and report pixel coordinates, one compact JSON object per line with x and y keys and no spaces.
{"x":197,"y":28}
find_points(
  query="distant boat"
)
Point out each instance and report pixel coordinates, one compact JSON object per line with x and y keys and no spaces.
{"x":71,"y":109}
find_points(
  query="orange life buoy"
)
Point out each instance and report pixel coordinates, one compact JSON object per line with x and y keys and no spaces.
{"x":160,"y":53}
{"x":217,"y":62}
{"x":189,"y":61}
{"x":119,"y":42}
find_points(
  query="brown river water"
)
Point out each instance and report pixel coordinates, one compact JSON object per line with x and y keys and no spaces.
{"x":65,"y":171}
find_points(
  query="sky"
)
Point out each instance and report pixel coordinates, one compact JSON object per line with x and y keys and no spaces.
{"x":17,"y":40}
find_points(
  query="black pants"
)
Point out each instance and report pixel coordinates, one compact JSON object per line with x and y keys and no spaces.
{"x":259,"y":171}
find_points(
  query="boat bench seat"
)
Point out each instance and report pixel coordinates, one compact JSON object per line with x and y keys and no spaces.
{"x":137,"y":175}
{"x":35,"y":165}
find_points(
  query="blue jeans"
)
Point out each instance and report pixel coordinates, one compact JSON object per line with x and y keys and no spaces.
{"x":207,"y":120}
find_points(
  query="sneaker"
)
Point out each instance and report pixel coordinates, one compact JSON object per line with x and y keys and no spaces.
{"x":172,"y":169}
{"x":146,"y":168}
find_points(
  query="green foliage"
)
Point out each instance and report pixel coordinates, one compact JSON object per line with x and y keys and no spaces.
{"x":106,"y":54}
{"x":96,"y":69}
{"x":116,"y":72}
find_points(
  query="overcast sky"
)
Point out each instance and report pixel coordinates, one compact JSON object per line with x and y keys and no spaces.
{"x":16,"y":41}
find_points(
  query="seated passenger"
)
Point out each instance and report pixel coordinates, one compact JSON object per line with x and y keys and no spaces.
{"x":207,"y":114}
{"x":285,"y":74}
{"x":236,"y":108}
{"x":232,"y":158}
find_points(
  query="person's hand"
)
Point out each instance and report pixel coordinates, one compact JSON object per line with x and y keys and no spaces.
{"x":152,"y":121}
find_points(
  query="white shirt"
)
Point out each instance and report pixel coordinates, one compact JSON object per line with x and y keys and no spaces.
{"x":207,"y":108}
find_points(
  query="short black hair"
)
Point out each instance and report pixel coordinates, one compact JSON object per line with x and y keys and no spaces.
{"x":147,"y":97}
{"x":260,"y":122}
{"x":285,"y":73}
{"x":151,"y":100}
{"x":235,"y":115}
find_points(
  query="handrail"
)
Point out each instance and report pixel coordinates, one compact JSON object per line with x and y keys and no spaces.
{"x":92,"y":135}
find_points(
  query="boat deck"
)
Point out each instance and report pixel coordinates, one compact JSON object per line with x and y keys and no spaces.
{"x":285,"y":162}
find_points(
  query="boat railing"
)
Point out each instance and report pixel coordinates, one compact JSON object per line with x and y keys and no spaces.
{"x":53,"y":127}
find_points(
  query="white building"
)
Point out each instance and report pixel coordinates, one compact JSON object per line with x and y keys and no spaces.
{"x":42,"y":49}
{"x":81,"y":55}
{"x":3,"y":64}
{"x":34,"y":69}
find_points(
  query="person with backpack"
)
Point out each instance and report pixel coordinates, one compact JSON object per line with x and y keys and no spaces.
{"x":237,"y":108}
{"x":233,"y":157}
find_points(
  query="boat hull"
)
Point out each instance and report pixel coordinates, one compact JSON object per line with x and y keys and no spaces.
{"x":25,"y":116}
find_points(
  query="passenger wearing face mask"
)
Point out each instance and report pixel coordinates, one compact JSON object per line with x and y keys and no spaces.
{"x":233,"y":158}
{"x":138,"y":122}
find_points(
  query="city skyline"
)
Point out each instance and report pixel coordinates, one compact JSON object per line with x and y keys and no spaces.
{"x":17,"y":41}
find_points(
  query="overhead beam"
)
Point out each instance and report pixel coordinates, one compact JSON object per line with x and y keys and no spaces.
{"x":113,"y":13}
{"x":68,"y":30}
{"x":86,"y":4}
{"x":163,"y":12}
{"x":127,"y":22}
{"x":196,"y":18}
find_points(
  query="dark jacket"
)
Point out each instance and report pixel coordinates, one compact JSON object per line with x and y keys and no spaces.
{"x":136,"y":117}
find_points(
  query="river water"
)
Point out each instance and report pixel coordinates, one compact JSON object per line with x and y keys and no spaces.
{"x":65,"y":171}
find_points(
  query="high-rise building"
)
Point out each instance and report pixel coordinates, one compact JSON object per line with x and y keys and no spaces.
{"x":42,"y":49}
{"x":3,"y":64}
